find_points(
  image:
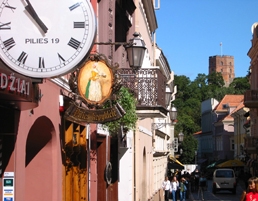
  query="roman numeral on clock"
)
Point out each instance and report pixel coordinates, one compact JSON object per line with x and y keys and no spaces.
{"x":22,"y":58}
{"x":79,"y":25}
{"x":74,"y":43}
{"x":12,"y":8}
{"x":5,"y":26}
{"x":41,"y":62}
{"x":74,"y":6}
{"x":61,"y":59}
{"x":9,"y":43}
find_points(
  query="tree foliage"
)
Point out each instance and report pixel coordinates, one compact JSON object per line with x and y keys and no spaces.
{"x":189,"y":146}
{"x":128,"y":103}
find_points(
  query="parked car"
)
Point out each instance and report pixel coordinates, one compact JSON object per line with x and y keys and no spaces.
{"x":224,"y":179}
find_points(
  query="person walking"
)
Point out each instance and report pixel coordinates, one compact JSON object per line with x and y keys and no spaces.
{"x":174,"y":185}
{"x":166,"y":188}
{"x":250,"y":189}
{"x":183,"y":189}
{"x":202,"y":186}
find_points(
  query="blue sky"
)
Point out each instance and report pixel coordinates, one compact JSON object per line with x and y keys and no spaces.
{"x":189,"y":31}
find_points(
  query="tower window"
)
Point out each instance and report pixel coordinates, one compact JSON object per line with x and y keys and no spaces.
{"x":221,"y":63}
{"x":221,"y":70}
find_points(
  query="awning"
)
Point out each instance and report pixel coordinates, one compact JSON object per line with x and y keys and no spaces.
{"x":231,"y":163}
{"x":173,"y":163}
{"x":213,"y":165}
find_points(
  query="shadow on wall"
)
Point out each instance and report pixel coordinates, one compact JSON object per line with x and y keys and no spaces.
{"x":39,"y":135}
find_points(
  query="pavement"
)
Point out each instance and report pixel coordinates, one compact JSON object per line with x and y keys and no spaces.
{"x":193,"y":196}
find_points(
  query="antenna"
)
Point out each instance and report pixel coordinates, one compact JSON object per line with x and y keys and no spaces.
{"x":220,"y":48}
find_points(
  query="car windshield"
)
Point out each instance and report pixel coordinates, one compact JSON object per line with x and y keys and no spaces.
{"x":225,"y":173}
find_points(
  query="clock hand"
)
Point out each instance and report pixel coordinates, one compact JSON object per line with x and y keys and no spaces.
{"x":34,"y":15}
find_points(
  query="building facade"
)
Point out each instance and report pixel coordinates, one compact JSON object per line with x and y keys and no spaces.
{"x":250,"y":101}
{"x":224,"y":144}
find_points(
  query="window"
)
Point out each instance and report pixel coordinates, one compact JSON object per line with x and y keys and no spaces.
{"x":232,"y":145}
{"x":221,"y":63}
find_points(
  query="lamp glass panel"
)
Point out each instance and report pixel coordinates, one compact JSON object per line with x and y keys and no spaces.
{"x":173,"y":115}
{"x":168,"y":97}
{"x":135,"y":56}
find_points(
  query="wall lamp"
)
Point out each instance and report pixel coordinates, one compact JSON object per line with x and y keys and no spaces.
{"x":181,"y":136}
{"x":135,"y":49}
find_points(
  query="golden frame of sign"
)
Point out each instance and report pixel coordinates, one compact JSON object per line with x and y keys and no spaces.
{"x":95,"y":81}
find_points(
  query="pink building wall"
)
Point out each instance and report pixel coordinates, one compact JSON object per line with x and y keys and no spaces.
{"x":38,"y":176}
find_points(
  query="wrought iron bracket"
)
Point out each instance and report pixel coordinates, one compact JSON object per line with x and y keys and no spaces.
{"x":125,"y":44}
{"x":155,"y":126}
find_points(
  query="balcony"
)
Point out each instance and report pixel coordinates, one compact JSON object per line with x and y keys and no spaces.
{"x":251,"y":98}
{"x":149,"y":87}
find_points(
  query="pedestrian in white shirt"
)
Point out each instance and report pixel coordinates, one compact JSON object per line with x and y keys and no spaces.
{"x":166,"y":188}
{"x":173,"y":188}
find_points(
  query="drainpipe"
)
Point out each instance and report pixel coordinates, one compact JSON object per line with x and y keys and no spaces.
{"x":106,"y":163}
{"x":88,"y":158}
{"x":134,"y":165}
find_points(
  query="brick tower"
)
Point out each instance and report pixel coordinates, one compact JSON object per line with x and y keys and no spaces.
{"x":224,"y":65}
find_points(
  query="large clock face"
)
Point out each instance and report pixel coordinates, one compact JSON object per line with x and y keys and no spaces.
{"x":46,"y":38}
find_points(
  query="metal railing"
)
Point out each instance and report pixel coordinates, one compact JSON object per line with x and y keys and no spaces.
{"x":148,"y":86}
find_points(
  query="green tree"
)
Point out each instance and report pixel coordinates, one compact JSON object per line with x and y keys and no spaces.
{"x":189,"y":146}
{"x":216,"y":80}
{"x":240,"y":85}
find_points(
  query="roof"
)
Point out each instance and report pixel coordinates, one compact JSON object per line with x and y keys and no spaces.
{"x":239,"y":107}
{"x":231,"y":100}
{"x":198,"y":133}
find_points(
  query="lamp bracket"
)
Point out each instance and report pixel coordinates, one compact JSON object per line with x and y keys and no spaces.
{"x":125,"y":44}
{"x":155,"y":126}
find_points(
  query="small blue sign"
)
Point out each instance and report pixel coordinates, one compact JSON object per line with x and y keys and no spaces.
{"x":8,"y":199}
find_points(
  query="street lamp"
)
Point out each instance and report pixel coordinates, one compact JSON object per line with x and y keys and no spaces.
{"x":173,"y":113}
{"x":181,"y":136}
{"x":181,"y":151}
{"x":135,"y":49}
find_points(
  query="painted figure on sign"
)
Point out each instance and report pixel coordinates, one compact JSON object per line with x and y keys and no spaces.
{"x":93,"y":88}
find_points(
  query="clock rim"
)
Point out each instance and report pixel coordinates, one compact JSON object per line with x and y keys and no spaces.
{"x":65,"y":70}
